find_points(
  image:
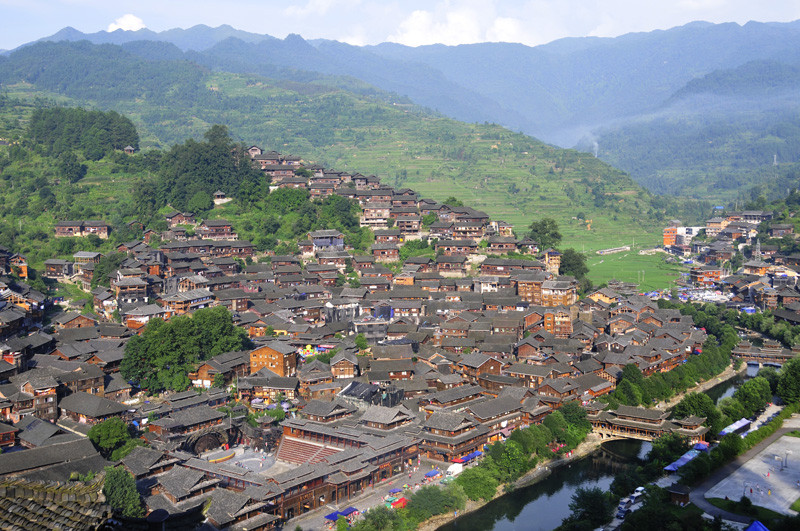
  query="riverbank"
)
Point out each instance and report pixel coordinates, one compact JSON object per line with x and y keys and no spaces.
{"x":724,"y":376}
{"x":590,"y":445}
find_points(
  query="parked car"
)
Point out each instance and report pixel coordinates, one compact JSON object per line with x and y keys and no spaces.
{"x":622,"y":513}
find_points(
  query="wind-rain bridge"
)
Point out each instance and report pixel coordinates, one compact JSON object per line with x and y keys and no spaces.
{"x":772,"y":353}
{"x":628,"y":422}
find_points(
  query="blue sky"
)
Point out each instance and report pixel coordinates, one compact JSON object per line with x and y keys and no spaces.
{"x":410,"y":22}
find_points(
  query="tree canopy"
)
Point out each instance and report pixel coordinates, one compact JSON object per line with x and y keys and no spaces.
{"x":789,"y":381}
{"x":162,"y":356}
{"x":61,"y":129}
{"x":119,"y":489}
{"x":573,"y":263}
{"x":592,"y":505}
{"x":545,"y":232}
{"x":191,"y":172}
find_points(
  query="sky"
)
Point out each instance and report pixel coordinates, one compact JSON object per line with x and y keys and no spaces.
{"x":409,"y":22}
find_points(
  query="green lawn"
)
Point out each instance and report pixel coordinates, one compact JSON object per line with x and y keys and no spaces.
{"x":765,"y":516}
{"x":649,"y":271}
{"x":796,"y":505}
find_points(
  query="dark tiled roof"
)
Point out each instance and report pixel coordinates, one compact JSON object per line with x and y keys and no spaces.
{"x":92,"y":406}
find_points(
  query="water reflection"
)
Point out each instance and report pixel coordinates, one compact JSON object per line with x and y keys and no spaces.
{"x":542,"y":506}
{"x":728,"y":387}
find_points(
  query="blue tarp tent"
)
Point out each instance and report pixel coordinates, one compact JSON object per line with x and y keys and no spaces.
{"x":348,"y":511}
{"x":333,"y":516}
{"x":682,"y":460}
{"x":473,"y":455}
{"x":756,"y":526}
{"x":395,"y":491}
{"x":432,"y":473}
{"x":736,"y":427}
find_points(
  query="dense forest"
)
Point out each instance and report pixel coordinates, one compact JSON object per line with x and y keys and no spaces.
{"x":96,"y":133}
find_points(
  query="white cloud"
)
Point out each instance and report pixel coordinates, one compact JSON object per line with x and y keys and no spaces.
{"x":507,"y":29}
{"x":446,"y":25}
{"x":127,"y":23}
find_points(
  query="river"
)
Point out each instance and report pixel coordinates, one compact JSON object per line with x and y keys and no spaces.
{"x":728,"y":387}
{"x":543,"y":505}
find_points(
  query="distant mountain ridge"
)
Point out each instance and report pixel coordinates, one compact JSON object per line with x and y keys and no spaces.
{"x":555,"y":91}
{"x":663,"y":105}
{"x":199,"y":37}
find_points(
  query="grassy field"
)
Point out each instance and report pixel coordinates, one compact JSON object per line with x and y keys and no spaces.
{"x":765,"y":516}
{"x":649,"y":271}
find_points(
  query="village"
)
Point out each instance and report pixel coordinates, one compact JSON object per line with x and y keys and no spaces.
{"x":431,"y":358}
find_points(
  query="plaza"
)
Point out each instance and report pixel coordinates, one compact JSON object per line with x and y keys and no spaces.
{"x":771,"y":479}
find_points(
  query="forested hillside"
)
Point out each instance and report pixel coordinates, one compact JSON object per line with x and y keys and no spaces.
{"x":38,"y":190}
{"x":729,"y":136}
{"x":697,"y":111}
{"x":510,"y":175}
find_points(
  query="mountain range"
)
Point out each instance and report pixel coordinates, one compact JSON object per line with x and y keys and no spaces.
{"x":555,"y":92}
{"x":688,"y":88}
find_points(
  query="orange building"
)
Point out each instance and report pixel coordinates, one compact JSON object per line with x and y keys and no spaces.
{"x":670,"y":236}
{"x":278,"y":356}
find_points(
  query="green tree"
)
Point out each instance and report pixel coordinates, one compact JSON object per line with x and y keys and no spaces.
{"x":753,"y":395}
{"x":545,"y":233}
{"x":164,"y":353}
{"x":575,"y":415}
{"x":702,"y":405}
{"x":628,"y":393}
{"x":361,"y":342}
{"x":478,"y":483}
{"x":219,"y":381}
{"x":668,"y":448}
{"x":731,"y":445}
{"x":731,"y":408}
{"x":592,"y":505}
{"x":573,"y":263}
{"x":772,"y":376}
{"x":789,"y":382}
{"x":119,"y":488}
{"x":70,"y":169}
{"x":379,"y":518}
{"x":107,"y":265}
{"x":200,"y":202}
{"x":557,"y":424}
{"x":109,"y":435}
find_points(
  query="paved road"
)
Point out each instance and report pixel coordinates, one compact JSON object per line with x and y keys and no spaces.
{"x":697,"y":495}
{"x":370,"y":497}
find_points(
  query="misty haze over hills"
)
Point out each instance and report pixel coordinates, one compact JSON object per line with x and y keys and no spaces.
{"x":597,"y":93}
